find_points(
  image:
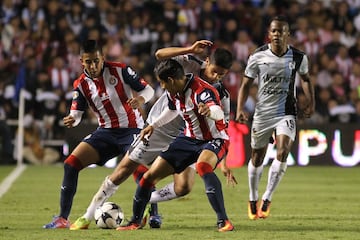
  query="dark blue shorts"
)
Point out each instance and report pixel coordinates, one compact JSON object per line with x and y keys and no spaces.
{"x":184,"y":151}
{"x":111,"y":142}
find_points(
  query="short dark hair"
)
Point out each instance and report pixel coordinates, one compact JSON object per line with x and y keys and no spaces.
{"x":90,"y":46}
{"x":281,"y":18}
{"x":168,"y":68}
{"x":222,"y":57}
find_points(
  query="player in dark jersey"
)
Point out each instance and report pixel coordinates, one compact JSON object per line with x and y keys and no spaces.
{"x":106,"y":87}
{"x":274,"y":65}
{"x":204,"y":140}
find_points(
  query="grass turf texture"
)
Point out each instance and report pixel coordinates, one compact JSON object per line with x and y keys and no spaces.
{"x":310,"y":203}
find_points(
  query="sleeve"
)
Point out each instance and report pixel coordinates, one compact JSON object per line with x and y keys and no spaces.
{"x":131,"y":78}
{"x":225,"y":100}
{"x":251,"y":69}
{"x":165,"y":117}
{"x":78,"y":105}
{"x":208,"y":97}
{"x":304,"y":66}
{"x":78,"y":102}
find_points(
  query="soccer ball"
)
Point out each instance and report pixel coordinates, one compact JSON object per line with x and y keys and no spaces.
{"x":109,"y":215}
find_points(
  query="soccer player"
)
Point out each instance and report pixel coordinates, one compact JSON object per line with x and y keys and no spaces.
{"x":204,"y":139}
{"x":275,"y":66}
{"x":143,"y":154}
{"x":212,"y":70}
{"x":107,"y":88}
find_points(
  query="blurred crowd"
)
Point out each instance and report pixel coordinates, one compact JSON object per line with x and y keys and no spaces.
{"x":40,"y":41}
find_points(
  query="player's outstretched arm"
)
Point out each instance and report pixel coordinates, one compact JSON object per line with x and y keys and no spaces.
{"x":197,"y":48}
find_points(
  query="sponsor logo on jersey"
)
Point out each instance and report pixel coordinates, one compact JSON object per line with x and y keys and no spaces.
{"x":131,"y":72}
{"x":204,"y":96}
{"x":75,"y":94}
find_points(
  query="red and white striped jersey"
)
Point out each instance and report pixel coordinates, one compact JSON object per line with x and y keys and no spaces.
{"x":198,"y":126}
{"x":107,"y":96}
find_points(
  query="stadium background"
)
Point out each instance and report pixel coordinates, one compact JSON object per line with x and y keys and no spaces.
{"x":40,"y":44}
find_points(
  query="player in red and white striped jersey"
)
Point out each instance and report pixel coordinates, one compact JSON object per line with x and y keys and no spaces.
{"x":204,"y":140}
{"x":107,"y":88}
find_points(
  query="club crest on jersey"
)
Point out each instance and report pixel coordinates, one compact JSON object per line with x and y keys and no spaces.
{"x":113,"y":81}
{"x":292,"y":65}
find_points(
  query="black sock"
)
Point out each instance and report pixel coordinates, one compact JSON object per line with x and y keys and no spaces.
{"x":68,"y":190}
{"x":215,"y":195}
{"x":141,"y":198}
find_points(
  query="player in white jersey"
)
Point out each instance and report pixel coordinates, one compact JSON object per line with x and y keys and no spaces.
{"x":140,"y":153}
{"x":106,"y":87}
{"x":275,"y":66}
{"x":204,"y":140}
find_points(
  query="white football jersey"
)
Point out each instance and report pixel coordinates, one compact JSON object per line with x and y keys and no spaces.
{"x":276,"y":80}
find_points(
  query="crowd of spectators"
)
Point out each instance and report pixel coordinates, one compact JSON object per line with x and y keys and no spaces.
{"x":40,"y":41}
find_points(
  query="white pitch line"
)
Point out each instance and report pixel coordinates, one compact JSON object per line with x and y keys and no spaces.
{"x":8,"y":181}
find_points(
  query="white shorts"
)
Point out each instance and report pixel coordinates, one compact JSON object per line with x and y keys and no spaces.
{"x":262,"y":130}
{"x":145,"y":154}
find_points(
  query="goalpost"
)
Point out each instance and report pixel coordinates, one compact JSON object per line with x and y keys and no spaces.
{"x":20,"y":134}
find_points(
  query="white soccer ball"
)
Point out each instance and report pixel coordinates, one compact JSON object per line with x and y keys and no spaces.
{"x":109,"y":215}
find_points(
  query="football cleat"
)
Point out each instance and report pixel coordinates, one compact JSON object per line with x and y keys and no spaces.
{"x":155,"y":221}
{"x":129,"y":226}
{"x":225,"y":226}
{"x":80,"y":223}
{"x":264,"y":210}
{"x":252,"y":210}
{"x":58,"y":222}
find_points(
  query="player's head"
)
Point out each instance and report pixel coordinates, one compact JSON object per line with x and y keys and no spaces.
{"x":170,"y":74}
{"x":218,"y":65}
{"x":279,"y":31}
{"x":92,"y":58}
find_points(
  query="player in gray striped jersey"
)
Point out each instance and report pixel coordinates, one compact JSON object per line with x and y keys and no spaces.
{"x":274,"y":65}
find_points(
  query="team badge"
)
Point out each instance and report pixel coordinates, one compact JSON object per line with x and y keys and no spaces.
{"x":292,"y":65}
{"x":113,"y":81}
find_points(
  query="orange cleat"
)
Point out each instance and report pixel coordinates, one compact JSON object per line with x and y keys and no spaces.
{"x":225,"y":226}
{"x":264,"y":210}
{"x":252,"y":210}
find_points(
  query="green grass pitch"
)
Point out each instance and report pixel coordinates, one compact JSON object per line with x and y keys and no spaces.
{"x":310,"y":203}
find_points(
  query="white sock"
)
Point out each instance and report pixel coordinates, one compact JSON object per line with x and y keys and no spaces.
{"x":276,"y":172}
{"x":164,"y":194}
{"x":254,"y":175}
{"x":106,"y":190}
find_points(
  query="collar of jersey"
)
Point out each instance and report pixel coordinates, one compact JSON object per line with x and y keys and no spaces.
{"x":189,"y":79}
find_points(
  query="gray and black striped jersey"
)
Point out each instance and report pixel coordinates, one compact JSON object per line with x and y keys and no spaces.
{"x":276,"y":80}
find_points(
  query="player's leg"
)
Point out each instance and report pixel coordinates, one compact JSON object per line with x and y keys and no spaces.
{"x":205,"y":165}
{"x":83,"y":155}
{"x":109,"y":186}
{"x":158,"y":170}
{"x":182,"y":185}
{"x":151,"y":212}
{"x":285,"y":136}
{"x":261,"y":131}
{"x":255,"y":169}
